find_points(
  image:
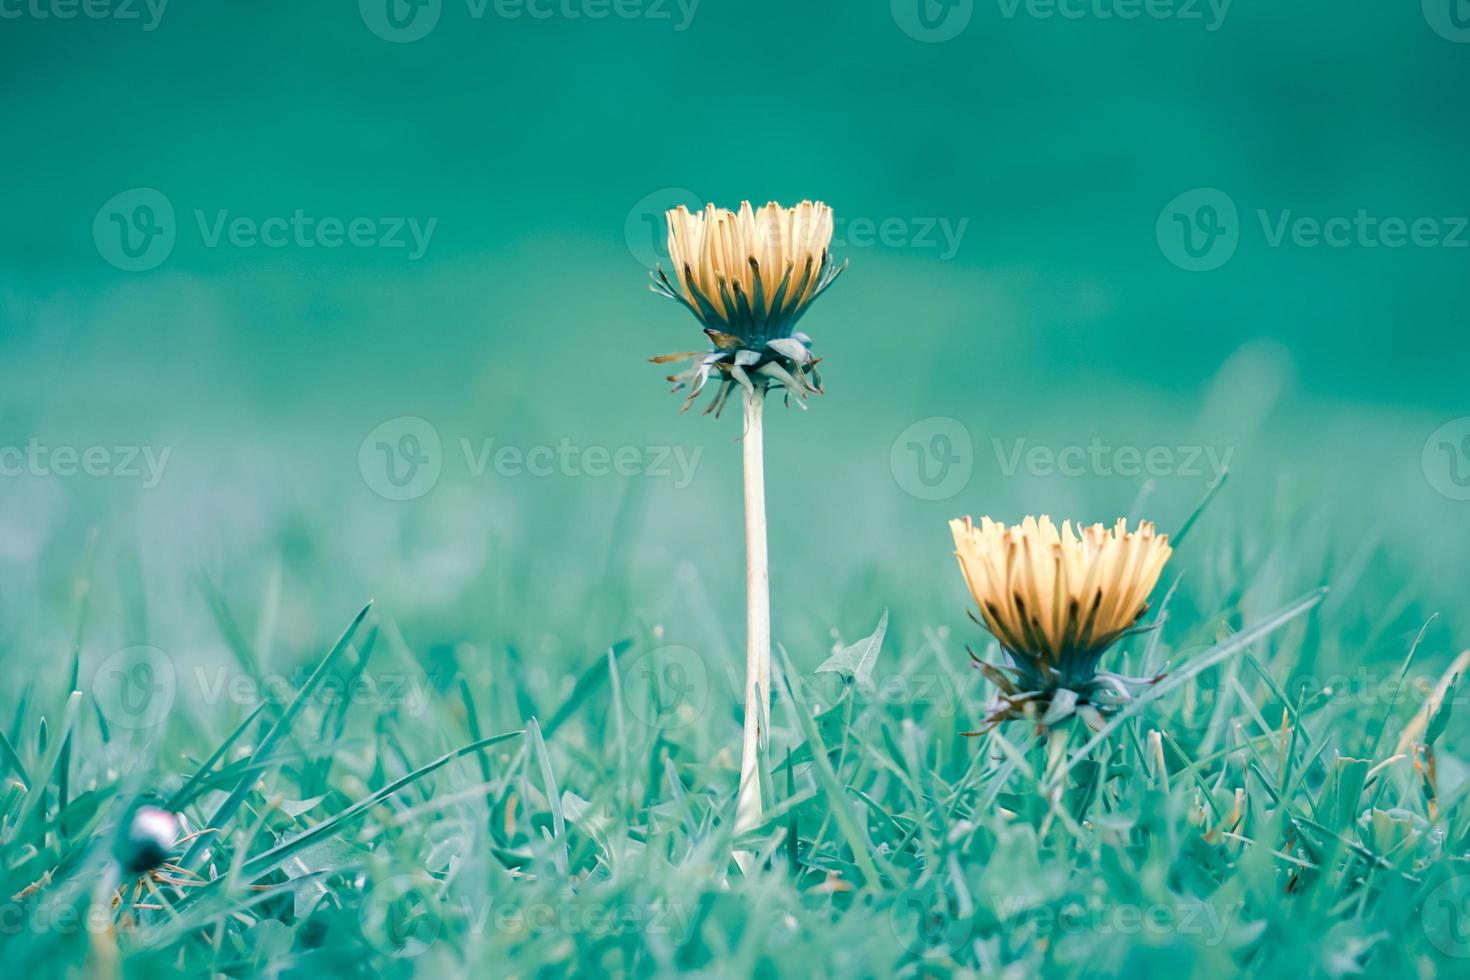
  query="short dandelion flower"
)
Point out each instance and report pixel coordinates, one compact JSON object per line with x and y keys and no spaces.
{"x":749,"y":276}
{"x":1056,"y":600}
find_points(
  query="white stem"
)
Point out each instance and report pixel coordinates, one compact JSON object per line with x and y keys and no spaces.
{"x":757,"y":623}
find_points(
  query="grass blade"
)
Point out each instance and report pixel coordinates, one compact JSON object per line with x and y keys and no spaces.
{"x":279,"y":730}
{"x":827,"y":777}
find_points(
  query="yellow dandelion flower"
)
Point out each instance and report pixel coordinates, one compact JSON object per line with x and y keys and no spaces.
{"x":749,"y":276}
{"x":1056,"y":599}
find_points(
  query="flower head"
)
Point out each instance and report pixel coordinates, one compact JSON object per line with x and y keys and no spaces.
{"x":749,"y":276}
{"x":1056,"y":599}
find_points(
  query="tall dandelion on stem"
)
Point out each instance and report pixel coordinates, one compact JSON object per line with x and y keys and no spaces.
{"x":748,"y":276}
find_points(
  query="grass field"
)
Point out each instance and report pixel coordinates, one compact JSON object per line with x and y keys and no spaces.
{"x":552,"y":795}
{"x":368,"y":609}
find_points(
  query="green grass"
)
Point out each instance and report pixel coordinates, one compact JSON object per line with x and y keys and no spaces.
{"x":554,"y":796}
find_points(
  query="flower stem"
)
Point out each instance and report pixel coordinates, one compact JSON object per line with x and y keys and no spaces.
{"x":757,"y":624}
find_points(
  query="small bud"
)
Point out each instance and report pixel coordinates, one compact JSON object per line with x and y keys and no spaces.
{"x":145,"y":839}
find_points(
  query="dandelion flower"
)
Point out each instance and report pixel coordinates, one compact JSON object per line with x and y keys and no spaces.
{"x":1056,"y":600}
{"x":748,"y":276}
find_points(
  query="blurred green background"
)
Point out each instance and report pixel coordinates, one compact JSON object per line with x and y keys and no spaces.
{"x":1012,"y":189}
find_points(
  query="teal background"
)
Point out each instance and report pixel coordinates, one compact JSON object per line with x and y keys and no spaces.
{"x":536,"y":144}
